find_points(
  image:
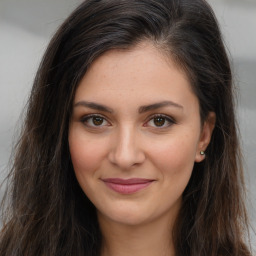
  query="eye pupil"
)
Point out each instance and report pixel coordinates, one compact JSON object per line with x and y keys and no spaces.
{"x":97,"y":120}
{"x":159,"y":121}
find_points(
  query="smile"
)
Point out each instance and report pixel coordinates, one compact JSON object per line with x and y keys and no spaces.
{"x":127,"y":186}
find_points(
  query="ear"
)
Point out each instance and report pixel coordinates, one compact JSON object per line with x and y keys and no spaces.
{"x":205,"y":136}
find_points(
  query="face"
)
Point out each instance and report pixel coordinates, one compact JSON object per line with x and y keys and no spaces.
{"x":134,"y":135}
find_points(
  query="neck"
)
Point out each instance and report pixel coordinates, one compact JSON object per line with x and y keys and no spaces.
{"x":150,"y":239}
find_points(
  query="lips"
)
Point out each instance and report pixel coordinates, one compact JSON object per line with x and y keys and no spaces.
{"x":127,"y":186}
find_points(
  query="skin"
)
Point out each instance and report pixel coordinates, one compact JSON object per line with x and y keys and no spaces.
{"x":130,"y":142}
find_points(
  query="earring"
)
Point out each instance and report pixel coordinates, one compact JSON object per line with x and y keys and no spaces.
{"x":202,"y":153}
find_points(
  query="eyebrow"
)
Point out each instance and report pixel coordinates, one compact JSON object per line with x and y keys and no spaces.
{"x":162,"y":104}
{"x":142,"y":109}
{"x":94,"y":105}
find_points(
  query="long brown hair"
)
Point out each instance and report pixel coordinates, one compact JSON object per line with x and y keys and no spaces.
{"x":48,"y":213}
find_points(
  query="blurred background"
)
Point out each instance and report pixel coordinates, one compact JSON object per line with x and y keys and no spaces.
{"x":27,"y":25}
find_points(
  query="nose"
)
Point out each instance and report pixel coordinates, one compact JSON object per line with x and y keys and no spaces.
{"x":126,"y":150}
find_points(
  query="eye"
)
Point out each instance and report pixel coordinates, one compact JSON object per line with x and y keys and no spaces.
{"x":160,"y":121}
{"x":95,"y":121}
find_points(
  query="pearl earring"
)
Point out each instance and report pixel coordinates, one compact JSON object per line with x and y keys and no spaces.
{"x":202,"y":153}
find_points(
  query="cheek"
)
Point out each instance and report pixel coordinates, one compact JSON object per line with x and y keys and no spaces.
{"x":176,"y":156}
{"x":85,"y":154}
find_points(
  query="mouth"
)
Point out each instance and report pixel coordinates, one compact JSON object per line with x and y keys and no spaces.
{"x":127,"y":186}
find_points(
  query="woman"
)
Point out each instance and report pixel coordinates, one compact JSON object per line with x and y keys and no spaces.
{"x":130,"y":145}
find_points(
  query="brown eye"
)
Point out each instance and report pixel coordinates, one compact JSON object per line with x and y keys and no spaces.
{"x":159,"y":121}
{"x":97,"y":120}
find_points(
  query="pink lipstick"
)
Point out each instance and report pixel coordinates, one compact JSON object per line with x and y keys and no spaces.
{"x":127,"y":186}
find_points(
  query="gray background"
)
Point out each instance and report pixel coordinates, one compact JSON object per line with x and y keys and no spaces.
{"x":27,"y":25}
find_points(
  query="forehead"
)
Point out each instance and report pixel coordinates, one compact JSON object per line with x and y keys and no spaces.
{"x":141,"y":73}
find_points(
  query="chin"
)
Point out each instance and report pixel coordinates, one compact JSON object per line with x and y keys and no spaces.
{"x":126,"y":216}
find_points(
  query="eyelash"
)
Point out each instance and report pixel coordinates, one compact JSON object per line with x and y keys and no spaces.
{"x":170,"y":121}
{"x":166,"y":118}
{"x":86,"y":119}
